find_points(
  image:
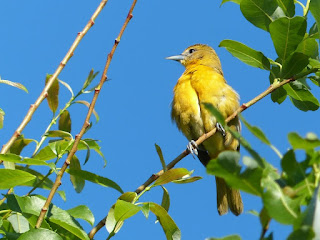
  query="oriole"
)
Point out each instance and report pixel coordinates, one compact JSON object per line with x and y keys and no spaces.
{"x":203,"y":82}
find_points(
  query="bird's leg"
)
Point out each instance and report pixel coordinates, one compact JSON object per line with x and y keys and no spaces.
{"x":193,"y":148}
{"x":221,"y":129}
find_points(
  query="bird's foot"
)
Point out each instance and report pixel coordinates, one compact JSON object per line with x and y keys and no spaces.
{"x":221,"y":129}
{"x":193,"y":148}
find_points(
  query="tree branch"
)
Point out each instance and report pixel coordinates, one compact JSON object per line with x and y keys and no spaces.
{"x":205,"y":136}
{"x":86,"y":123}
{"x":44,"y":92}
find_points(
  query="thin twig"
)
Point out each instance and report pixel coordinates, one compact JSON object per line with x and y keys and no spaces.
{"x":205,"y":136}
{"x":86,"y":123}
{"x":44,"y":92}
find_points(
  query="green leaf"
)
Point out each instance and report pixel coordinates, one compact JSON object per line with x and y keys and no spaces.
{"x":171,"y":175}
{"x":261,"y":12}
{"x":92,"y":145}
{"x":301,"y":97}
{"x":163,"y":163}
{"x":230,"y":237}
{"x":215,"y":112}
{"x":40,"y":233}
{"x":297,"y":142}
{"x":82,"y":212}
{"x":34,"y":204}
{"x":14,"y":84}
{"x":95,"y":178}
{"x":235,"y":1}
{"x":88,"y":152}
{"x":264,"y":218}
{"x":19,"y":144}
{"x":294,"y":65}
{"x":311,"y":216}
{"x":279,"y":206}
{"x":87,"y":104}
{"x":19,"y":223}
{"x":227,"y":166}
{"x":168,"y":225}
{"x":77,"y":182}
{"x":89,"y":79}
{"x":260,"y":135}
{"x":187,"y":180}
{"x":287,"y":6}
{"x":246,"y":54}
{"x":305,"y":233}
{"x":295,"y":172}
{"x":65,"y":121}
{"x":309,"y":47}
{"x":314,"y":9}
{"x":313,"y":31}
{"x":256,"y":132}
{"x":124,"y":210}
{"x":286,"y":34}
{"x":145,"y":209}
{"x":67,"y":87}
{"x":165,"y":203}
{"x":59,"y":133}
{"x":2,"y":113}
{"x":10,"y":178}
{"x":53,"y":92}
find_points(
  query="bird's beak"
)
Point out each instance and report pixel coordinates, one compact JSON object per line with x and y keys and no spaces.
{"x":176,"y":58}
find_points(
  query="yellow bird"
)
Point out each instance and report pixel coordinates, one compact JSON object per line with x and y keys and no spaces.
{"x":203,"y":82}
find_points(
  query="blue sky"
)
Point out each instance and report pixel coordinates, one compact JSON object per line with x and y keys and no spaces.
{"x":134,"y":106}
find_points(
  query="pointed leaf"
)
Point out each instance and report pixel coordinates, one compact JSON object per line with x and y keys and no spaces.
{"x":168,"y":225}
{"x":19,"y":144}
{"x":165,"y":203}
{"x":163,"y":163}
{"x":77,"y":182}
{"x":59,"y":133}
{"x":187,"y":180}
{"x":256,"y":132}
{"x":261,"y":12}
{"x":14,"y":84}
{"x":230,"y":237}
{"x":88,"y":152}
{"x":287,"y":6}
{"x":145,"y":209}
{"x":89,"y":79}
{"x":10,"y":178}
{"x":246,"y":54}
{"x":82,"y":212}
{"x":67,"y":87}
{"x":40,"y":233}
{"x":53,"y":92}
{"x":286,"y":34}
{"x":124,"y":210}
{"x":170,"y":175}
{"x":301,"y":97}
{"x":95,"y":178}
{"x":65,"y":121}
{"x":297,"y":142}
{"x":87,"y":104}
{"x":93,"y":144}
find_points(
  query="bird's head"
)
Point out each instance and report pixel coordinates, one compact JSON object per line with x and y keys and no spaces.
{"x":200,"y":54}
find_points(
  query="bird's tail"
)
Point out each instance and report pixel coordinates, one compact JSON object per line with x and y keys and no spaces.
{"x":228,"y":198}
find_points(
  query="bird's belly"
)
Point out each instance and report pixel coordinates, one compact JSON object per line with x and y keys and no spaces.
{"x":187,"y":115}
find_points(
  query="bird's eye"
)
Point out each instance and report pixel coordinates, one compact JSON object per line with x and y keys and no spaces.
{"x":191,"y":50}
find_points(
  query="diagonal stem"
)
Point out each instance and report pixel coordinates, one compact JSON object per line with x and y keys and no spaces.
{"x":205,"y":136}
{"x":86,"y":123}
